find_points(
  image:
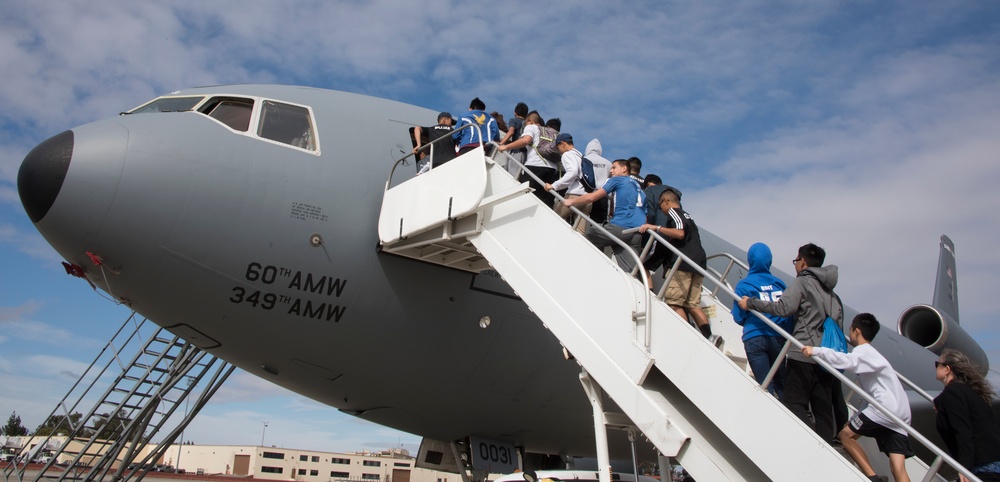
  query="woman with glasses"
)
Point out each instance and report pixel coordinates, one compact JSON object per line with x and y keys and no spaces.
{"x":965,"y":417}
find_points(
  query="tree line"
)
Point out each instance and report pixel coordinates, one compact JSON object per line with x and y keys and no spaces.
{"x":108,"y":427}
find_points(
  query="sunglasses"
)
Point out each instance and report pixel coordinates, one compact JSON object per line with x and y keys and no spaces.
{"x":938,"y":364}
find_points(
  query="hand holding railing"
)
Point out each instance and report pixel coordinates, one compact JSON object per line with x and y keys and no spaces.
{"x":941,"y":456}
{"x":447,"y":142}
{"x":627,"y":249}
{"x":720,"y":283}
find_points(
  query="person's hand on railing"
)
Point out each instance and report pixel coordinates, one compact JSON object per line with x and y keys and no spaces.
{"x":743,"y":302}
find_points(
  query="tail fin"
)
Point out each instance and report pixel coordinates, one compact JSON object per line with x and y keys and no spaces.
{"x":946,"y":288}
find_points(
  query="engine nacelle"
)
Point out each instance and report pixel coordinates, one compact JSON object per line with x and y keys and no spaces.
{"x":934,"y":330}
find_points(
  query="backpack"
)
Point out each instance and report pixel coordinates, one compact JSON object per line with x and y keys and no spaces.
{"x":518,"y":125}
{"x":546,"y":145}
{"x":587,"y":177}
{"x":833,"y":332}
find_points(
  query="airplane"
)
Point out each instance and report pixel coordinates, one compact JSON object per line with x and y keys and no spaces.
{"x":243,"y":219}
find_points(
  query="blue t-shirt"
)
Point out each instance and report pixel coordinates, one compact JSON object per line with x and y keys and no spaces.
{"x":627,"y":202}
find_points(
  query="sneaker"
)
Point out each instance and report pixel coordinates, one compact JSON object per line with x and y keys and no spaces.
{"x":717,"y":341}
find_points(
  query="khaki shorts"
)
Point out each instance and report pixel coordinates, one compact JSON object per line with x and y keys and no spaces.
{"x":579,"y":224}
{"x":684,"y":290}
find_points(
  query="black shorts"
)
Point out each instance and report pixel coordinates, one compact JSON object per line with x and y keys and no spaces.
{"x":889,"y":441}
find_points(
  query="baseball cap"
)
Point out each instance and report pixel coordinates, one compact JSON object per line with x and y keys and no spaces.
{"x":564,"y":138}
{"x":445,"y":114}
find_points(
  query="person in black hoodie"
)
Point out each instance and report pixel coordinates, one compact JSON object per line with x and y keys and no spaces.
{"x":964,"y":416}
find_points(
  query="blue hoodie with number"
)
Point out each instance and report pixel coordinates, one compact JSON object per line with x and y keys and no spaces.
{"x":759,"y":284}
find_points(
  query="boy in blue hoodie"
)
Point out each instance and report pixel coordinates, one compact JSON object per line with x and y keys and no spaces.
{"x":761,"y":342}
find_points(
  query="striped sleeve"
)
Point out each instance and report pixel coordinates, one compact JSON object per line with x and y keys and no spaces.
{"x":676,"y":218}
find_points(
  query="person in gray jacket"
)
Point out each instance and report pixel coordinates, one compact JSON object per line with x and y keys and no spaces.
{"x":810,"y":299}
{"x":602,"y":171}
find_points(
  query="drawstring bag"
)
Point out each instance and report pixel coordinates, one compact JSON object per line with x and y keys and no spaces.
{"x":833,"y":336}
{"x":833,"y":333}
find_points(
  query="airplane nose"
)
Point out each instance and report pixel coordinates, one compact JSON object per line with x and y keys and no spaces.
{"x":68,"y":183}
{"x":42,"y":174}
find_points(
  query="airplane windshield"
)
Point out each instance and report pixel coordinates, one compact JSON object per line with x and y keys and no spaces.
{"x":168,"y":104}
{"x":234,"y":112}
{"x":288,"y":124}
{"x":281,"y":122}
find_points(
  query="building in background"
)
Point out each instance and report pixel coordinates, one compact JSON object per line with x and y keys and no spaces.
{"x":272,"y":463}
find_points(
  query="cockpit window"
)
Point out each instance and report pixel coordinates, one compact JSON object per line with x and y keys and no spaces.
{"x":168,"y":104}
{"x":288,"y":124}
{"x":234,"y":112}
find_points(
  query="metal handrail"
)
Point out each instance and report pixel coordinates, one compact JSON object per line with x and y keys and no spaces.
{"x":941,"y":455}
{"x":628,"y":249}
{"x":720,"y":283}
{"x":605,"y":232}
{"x":733,"y":260}
{"x":402,"y":160}
{"x":738,"y":262}
{"x":871,"y":400}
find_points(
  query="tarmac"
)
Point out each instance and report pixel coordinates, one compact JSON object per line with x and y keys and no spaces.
{"x":31,"y":474}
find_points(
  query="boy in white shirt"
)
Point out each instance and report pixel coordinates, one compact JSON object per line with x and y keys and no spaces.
{"x":570,"y":181}
{"x":876,"y":377}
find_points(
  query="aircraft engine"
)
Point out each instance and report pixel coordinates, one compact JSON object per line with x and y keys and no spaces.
{"x":934,"y":330}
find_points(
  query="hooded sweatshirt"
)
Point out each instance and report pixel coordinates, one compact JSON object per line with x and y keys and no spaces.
{"x":602,"y":166}
{"x":763,"y":285}
{"x":808,"y":299}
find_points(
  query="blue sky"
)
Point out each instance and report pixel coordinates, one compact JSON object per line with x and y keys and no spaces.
{"x":869,"y":128}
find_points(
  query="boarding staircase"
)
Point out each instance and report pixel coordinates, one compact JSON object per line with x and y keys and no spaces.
{"x":690,"y":400}
{"x":145,"y":380}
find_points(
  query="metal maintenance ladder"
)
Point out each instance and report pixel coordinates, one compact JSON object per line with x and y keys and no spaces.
{"x":153,"y":376}
{"x":471,"y":214}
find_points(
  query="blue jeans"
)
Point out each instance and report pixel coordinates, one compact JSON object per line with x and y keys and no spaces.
{"x":762,"y":352}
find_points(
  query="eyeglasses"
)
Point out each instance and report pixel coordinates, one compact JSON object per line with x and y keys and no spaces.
{"x":938,"y":364}
{"x":796,"y":260}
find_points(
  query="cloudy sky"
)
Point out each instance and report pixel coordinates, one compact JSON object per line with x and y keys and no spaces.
{"x":868,"y":127}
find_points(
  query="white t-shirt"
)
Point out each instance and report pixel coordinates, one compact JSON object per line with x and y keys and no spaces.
{"x":533,"y":158}
{"x":876,"y":377}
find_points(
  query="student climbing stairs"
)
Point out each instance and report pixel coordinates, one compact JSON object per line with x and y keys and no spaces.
{"x":685,"y":395}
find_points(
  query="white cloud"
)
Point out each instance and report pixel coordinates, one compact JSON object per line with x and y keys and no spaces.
{"x":17,"y":326}
{"x":29,"y":243}
{"x":244,"y":387}
{"x":34,"y":384}
{"x":878,"y":185}
{"x":867,"y":128}
{"x":13,"y":314}
{"x":54,"y":366}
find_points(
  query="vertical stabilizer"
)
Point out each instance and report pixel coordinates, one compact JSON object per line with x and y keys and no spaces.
{"x":946,"y":288}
